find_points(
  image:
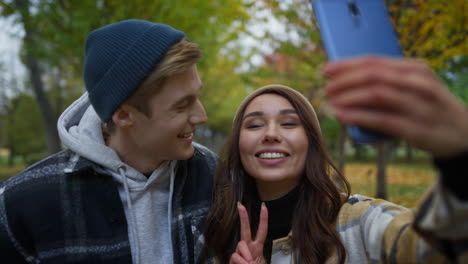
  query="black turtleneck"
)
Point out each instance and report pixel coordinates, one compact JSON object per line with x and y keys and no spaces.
{"x":280,"y":215}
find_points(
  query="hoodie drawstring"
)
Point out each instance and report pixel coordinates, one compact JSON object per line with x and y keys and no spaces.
{"x":169,"y":209}
{"x":136,"y":257}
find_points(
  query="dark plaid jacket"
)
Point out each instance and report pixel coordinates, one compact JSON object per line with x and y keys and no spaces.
{"x":65,"y":209}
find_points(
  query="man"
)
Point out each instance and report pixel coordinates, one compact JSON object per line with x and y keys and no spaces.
{"x":132,"y":187}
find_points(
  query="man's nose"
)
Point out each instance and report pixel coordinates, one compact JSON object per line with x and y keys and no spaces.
{"x":198,"y":115}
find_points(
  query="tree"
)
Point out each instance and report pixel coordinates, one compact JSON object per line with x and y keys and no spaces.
{"x":429,"y":30}
{"x":3,"y":103}
{"x":23,"y":130}
{"x":55,"y":33}
{"x":296,"y":61}
{"x":32,"y":64}
{"x":26,"y":130}
{"x":432,"y":30}
{"x":297,"y":54}
{"x":9,"y":110}
{"x":456,"y":76}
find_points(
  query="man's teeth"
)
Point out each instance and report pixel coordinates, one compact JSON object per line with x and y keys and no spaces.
{"x":186,"y":135}
{"x":272,"y":155}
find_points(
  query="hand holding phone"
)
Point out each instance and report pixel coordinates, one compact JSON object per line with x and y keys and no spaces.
{"x":355,"y":28}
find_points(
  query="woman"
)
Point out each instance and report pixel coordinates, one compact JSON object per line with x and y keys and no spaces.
{"x":320,"y":200}
{"x":276,"y":156}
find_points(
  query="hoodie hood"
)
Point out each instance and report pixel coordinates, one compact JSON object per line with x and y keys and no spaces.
{"x":80,"y":130}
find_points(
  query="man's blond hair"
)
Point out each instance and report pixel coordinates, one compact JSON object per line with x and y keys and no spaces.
{"x":178,"y":59}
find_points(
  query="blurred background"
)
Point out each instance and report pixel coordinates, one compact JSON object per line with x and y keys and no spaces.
{"x":246,"y":44}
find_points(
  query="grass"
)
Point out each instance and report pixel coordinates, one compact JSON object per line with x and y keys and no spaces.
{"x":406,"y":183}
{"x":6,"y":172}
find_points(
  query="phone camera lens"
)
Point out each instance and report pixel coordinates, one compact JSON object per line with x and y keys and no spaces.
{"x":353,"y":9}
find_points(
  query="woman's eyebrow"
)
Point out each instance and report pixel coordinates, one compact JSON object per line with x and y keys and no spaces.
{"x":287,"y":111}
{"x":260,"y":113}
{"x":255,"y":113}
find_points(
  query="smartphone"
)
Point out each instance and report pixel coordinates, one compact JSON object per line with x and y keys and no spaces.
{"x":354,"y":28}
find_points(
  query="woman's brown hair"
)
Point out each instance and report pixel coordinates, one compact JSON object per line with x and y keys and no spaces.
{"x":314,"y":237}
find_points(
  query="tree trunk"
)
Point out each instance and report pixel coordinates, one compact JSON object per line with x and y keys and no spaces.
{"x":11,"y":156}
{"x":381,"y":171}
{"x":10,"y":111}
{"x":358,"y":151}
{"x":48,"y":115}
{"x":341,"y":158}
{"x":341,"y":148}
{"x":409,"y":152}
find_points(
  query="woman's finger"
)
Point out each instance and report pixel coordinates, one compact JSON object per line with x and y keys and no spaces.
{"x":263,"y":225}
{"x":259,"y":260}
{"x":442,"y":137}
{"x":245,"y":223}
{"x":333,"y":69}
{"x":373,"y":78}
{"x":386,"y":99}
{"x":237,"y":259}
{"x":244,"y":251}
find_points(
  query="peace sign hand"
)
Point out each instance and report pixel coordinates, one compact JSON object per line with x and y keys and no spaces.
{"x":250,"y":251}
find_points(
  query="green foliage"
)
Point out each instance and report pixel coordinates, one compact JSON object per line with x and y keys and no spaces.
{"x":297,"y":57}
{"x":222,"y":93}
{"x":24,"y":129}
{"x":59,"y":29}
{"x":62,"y":26}
{"x":432,"y":30}
{"x":6,"y":8}
{"x":456,"y":76}
{"x":330,"y":130}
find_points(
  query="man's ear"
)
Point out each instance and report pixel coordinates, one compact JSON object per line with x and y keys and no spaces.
{"x":123,"y":116}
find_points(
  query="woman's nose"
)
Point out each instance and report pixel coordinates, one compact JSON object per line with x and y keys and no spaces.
{"x":271,"y":135}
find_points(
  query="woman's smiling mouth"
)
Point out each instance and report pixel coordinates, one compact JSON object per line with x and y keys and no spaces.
{"x":271,"y":155}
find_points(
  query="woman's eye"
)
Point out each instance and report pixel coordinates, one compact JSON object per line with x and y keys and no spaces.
{"x":253,"y":126}
{"x":289,"y":124}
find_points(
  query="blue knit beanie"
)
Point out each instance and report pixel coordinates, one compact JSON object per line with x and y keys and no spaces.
{"x":118,"y":58}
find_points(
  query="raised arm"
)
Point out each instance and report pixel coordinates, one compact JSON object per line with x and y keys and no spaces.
{"x":405,"y":99}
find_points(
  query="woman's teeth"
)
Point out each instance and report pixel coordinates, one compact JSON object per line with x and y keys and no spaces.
{"x":271,"y":155}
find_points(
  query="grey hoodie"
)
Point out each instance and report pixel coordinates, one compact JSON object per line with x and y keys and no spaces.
{"x":146,"y":200}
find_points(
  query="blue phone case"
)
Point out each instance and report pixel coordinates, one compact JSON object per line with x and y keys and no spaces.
{"x":354,"y":28}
